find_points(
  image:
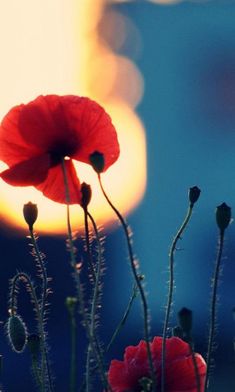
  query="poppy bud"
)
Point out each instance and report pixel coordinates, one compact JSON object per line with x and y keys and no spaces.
{"x":178,"y":332}
{"x":33,"y":344}
{"x":223,"y":216}
{"x":71,"y":303}
{"x":185,"y":317}
{"x":86,"y":195}
{"x":97,"y":161}
{"x":193,"y":195}
{"x":17,"y":333}
{"x":30,"y":212}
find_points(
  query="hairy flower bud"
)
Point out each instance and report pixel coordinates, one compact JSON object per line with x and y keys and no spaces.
{"x":223,"y":216}
{"x":30,"y":212}
{"x":193,"y":195}
{"x":97,"y":161}
{"x":17,"y":333}
{"x":86,"y":195}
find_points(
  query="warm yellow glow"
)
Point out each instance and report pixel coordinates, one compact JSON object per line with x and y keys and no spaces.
{"x":55,"y":47}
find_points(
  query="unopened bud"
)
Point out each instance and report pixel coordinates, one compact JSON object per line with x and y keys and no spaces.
{"x":178,"y":332}
{"x":97,"y":161}
{"x":185,"y":317}
{"x":17,"y":333}
{"x":34,"y":344}
{"x":223,"y":216}
{"x":30,"y":212}
{"x":71,"y":303}
{"x":86,"y":195}
{"x":193,"y":195}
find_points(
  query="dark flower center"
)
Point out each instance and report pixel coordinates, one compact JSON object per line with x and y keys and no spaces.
{"x":61,"y":150}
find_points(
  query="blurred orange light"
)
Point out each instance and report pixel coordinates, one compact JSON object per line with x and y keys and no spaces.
{"x":63,"y":52}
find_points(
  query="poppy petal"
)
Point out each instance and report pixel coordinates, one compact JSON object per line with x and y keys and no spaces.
{"x":185,"y":367}
{"x":13,"y":147}
{"x":54,"y":188}
{"x":94,"y":129}
{"x":26,"y":173}
{"x":42,"y":122}
{"x":117,"y":377}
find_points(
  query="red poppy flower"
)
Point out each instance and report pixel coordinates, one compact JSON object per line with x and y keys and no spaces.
{"x":34,"y":138}
{"x":132,"y":373}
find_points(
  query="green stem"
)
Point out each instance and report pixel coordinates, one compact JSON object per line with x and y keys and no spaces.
{"x":170,"y":292}
{"x":197,"y":376}
{"x":138,"y":283}
{"x":213,"y":306}
{"x":73,"y":355}
{"x":41,"y":321}
{"x":124,"y":318}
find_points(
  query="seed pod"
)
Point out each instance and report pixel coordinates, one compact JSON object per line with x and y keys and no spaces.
{"x":193,"y":194}
{"x":97,"y":161}
{"x":30,"y":212}
{"x":223,"y":216}
{"x":185,"y":317}
{"x":86,"y":195}
{"x":17,"y":333}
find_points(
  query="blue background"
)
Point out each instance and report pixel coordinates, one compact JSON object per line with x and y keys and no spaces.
{"x":188,"y":64}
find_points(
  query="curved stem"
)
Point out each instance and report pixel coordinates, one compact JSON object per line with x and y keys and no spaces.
{"x":170,"y":291}
{"x":213,"y":305}
{"x":137,"y":280}
{"x":124,"y":318}
{"x":43,"y":271}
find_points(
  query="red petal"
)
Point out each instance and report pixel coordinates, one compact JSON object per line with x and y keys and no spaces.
{"x":118,"y":377}
{"x":180,"y":374}
{"x":30,"y":172}
{"x":94,"y":129}
{"x":54,"y":188}
{"x":13,"y":147}
{"x":175,"y":348}
{"x":43,"y":123}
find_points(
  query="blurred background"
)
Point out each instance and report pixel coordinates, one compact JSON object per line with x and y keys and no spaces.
{"x":165,"y":71}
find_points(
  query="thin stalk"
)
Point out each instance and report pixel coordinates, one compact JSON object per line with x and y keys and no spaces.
{"x":45,"y":361}
{"x":124,"y":318}
{"x":197,"y":376}
{"x":213,"y":305}
{"x":170,"y":291}
{"x":73,"y":372}
{"x":137,"y":280}
{"x":78,"y":281}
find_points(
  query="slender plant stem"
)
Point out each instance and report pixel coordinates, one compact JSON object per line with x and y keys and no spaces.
{"x":78,"y":282}
{"x":196,"y":372}
{"x":45,"y":361}
{"x":137,"y":280}
{"x":170,"y":292}
{"x":215,"y":282}
{"x":124,"y":318}
{"x":73,"y":373}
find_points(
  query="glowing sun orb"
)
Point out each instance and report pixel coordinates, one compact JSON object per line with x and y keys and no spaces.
{"x":55,"y":47}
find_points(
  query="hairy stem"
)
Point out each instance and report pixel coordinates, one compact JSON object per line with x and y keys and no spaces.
{"x":41,"y":321}
{"x":215,"y":282}
{"x":137,"y":280}
{"x":170,"y":292}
